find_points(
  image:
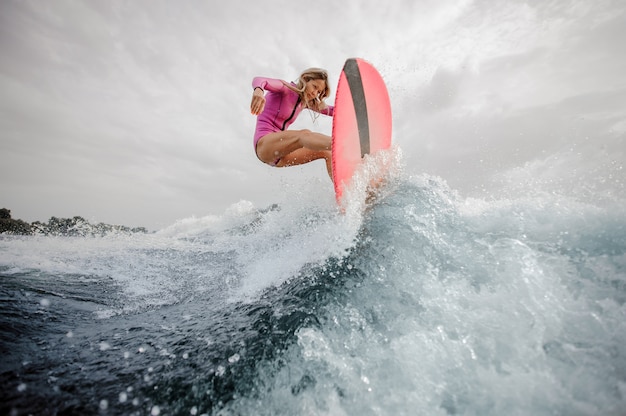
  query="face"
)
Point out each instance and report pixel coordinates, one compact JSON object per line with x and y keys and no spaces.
{"x":314,"y":88}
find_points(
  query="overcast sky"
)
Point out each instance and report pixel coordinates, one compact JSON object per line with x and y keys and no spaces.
{"x":137,"y":112}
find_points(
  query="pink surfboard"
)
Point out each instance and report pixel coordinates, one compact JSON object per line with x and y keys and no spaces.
{"x":361,"y":122}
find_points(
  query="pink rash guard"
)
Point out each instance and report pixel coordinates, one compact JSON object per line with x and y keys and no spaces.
{"x":282,"y":107}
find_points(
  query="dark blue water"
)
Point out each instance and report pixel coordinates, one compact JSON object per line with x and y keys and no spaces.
{"x":422,"y":302}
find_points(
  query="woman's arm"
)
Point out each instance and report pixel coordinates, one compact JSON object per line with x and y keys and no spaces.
{"x":260,"y":85}
{"x":329,"y":110}
{"x":268,"y":84}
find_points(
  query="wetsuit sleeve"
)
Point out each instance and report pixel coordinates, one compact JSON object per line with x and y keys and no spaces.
{"x":328,"y":111}
{"x":268,"y":84}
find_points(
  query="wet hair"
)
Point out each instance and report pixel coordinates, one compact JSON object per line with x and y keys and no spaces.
{"x":312,"y":74}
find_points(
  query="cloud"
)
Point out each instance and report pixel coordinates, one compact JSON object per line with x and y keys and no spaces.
{"x":137,"y":112}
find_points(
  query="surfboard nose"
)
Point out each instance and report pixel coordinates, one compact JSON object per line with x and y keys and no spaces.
{"x":361,"y":121}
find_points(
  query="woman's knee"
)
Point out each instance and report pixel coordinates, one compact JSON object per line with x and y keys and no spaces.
{"x":304,"y":134}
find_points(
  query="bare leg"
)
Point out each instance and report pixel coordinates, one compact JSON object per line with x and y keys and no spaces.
{"x":279,"y":144}
{"x":295,"y":147}
{"x":301,"y":156}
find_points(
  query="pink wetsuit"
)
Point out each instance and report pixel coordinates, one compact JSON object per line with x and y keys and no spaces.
{"x":282,"y":106}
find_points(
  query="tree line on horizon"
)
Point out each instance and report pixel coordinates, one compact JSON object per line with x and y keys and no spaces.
{"x":74,"y":227}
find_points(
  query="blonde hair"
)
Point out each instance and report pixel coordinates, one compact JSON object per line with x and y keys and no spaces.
{"x":312,"y":74}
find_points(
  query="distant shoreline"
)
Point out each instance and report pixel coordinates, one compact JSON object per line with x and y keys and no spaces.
{"x":75,"y":226}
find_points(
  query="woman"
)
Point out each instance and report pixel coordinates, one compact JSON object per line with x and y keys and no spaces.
{"x":273,"y":143}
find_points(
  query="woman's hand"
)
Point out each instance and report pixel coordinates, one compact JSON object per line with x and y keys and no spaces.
{"x":258,"y":101}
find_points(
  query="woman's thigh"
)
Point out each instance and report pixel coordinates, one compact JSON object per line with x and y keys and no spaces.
{"x":302,"y":155}
{"x":277,"y":145}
